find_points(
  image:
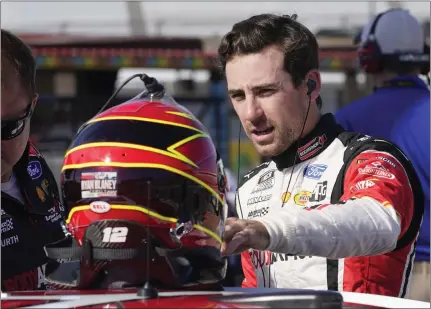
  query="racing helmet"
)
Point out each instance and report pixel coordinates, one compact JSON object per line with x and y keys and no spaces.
{"x":145,"y":192}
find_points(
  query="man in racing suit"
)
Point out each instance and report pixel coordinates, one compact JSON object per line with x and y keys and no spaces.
{"x":31,"y":212}
{"x":29,"y":224}
{"x":331,"y":209}
{"x":360,"y":202}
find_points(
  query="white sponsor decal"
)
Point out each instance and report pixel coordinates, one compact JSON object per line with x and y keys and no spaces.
{"x":268,"y":175}
{"x":53,"y":218}
{"x":258,"y":199}
{"x":54,"y":215}
{"x":258,"y":213}
{"x":63,"y":260}
{"x":378,"y":165}
{"x":7,"y":225}
{"x":377,"y":172}
{"x":115,"y":234}
{"x":364,"y":138}
{"x":248,"y":174}
{"x":98,"y":184}
{"x":6,"y":242}
{"x":100,"y":207}
{"x":387,"y":161}
{"x":265,"y":185}
{"x":41,"y":276}
{"x":361,"y":185}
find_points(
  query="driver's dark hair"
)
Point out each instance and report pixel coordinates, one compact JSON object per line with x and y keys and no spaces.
{"x":299,"y":45}
{"x":17,"y":54}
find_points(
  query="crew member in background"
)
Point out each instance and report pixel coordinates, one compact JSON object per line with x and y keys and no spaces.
{"x":31,"y":213}
{"x":393,"y":53}
{"x":412,"y":133}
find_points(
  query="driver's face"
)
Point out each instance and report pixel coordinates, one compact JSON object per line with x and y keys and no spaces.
{"x":270,"y":107}
{"x":14,"y":102}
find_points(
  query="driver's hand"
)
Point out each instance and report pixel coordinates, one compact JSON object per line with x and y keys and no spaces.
{"x":241,"y":235}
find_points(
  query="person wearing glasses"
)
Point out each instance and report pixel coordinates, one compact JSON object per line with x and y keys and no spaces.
{"x":31,"y":210}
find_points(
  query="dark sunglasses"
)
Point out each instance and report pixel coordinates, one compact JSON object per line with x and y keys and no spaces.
{"x":12,"y":128}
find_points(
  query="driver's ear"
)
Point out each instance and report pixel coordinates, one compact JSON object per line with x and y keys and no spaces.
{"x":313,"y":84}
{"x":34,"y":99}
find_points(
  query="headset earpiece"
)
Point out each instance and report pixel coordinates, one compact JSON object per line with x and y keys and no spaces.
{"x":311,"y":85}
{"x":369,"y":52}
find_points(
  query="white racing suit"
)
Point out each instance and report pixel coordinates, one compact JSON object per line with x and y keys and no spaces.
{"x":350,"y":218}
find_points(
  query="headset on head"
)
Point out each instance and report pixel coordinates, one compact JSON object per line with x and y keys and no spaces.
{"x":372,"y":60}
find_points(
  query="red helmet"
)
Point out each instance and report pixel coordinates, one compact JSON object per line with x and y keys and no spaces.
{"x":145,"y":192}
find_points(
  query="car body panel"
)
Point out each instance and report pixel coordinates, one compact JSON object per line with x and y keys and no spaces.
{"x":230,"y":298}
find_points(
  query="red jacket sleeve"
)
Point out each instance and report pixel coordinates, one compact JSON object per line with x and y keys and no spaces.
{"x":380,"y":176}
{"x":248,"y":270}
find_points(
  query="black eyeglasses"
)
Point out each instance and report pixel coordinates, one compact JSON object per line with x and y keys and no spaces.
{"x":12,"y":128}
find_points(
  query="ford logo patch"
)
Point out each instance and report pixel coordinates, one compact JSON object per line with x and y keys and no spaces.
{"x":34,"y":169}
{"x":315,"y":171}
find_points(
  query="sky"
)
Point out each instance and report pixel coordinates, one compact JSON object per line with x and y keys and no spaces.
{"x":181,"y":18}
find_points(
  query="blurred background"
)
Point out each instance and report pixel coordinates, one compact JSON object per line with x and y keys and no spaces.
{"x":85,"y":50}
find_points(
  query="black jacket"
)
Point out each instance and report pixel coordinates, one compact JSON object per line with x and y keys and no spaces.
{"x":26,"y":229}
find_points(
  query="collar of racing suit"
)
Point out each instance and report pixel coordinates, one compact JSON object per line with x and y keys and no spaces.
{"x":312,"y":144}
